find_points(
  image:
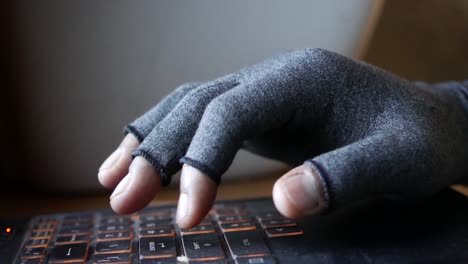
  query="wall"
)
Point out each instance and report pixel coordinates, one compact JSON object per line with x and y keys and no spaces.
{"x":422,"y":40}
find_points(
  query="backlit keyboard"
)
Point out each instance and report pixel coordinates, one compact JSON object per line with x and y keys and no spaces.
{"x":233,"y":232}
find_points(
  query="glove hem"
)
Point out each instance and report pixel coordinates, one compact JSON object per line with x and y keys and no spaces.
{"x":133,"y":131}
{"x":203,"y":168}
{"x":323,"y":176}
{"x":165,"y":174}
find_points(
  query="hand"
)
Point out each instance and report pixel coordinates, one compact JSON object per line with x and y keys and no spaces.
{"x":356,"y":132}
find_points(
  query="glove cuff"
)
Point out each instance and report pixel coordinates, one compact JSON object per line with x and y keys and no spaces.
{"x":216,"y":177}
{"x":463,"y":95}
{"x":453,"y":91}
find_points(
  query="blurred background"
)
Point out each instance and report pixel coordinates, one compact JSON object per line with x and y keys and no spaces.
{"x":75,"y":72}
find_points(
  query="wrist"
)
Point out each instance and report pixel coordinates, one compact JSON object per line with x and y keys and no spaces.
{"x":453,"y":92}
{"x":459,"y":91}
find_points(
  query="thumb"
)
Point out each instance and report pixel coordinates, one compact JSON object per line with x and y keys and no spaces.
{"x":383,"y":165}
{"x":300,"y":192}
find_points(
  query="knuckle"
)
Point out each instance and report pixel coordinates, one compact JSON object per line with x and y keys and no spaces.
{"x":223,"y":108}
{"x":187,"y":87}
{"x":218,"y":105}
{"x":205,"y":93}
{"x":316,"y":52}
{"x":197,"y":97}
{"x":322,"y":64}
{"x":319,"y":57}
{"x":312,"y":62}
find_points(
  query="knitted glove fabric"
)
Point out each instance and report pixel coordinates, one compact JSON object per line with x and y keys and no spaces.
{"x":365,"y":132}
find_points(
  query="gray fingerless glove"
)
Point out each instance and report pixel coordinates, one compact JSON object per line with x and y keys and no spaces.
{"x":365,"y":131}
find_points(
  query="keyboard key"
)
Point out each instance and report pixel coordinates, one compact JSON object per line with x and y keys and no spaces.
{"x":284,"y":231}
{"x":158,"y":232}
{"x":157,"y":247}
{"x":246,"y":243}
{"x":116,"y":221}
{"x":217,"y":261}
{"x":206,"y":221}
{"x":114,"y":228}
{"x":154,"y":211}
{"x":69,"y":253}
{"x":159,"y":261}
{"x":44,"y":227}
{"x":230,"y":212}
{"x":154,"y":218}
{"x":277,"y":222}
{"x":31,"y":261}
{"x":81,"y":230}
{"x":202,"y":247}
{"x":119,"y":258}
{"x":77,"y":224}
{"x":46,"y":220}
{"x":154,"y":224}
{"x":222,"y":206}
{"x":79,"y":218}
{"x":71,"y":239}
{"x":35,"y":252}
{"x":204,"y":229}
{"x":227,"y":211}
{"x":117,"y":246}
{"x":256,"y":260}
{"x":234,"y":219}
{"x":114,"y":236}
{"x":41,"y":235}
{"x":37,"y":243}
{"x":72,"y":262}
{"x":234,"y":227}
{"x":269,"y":215}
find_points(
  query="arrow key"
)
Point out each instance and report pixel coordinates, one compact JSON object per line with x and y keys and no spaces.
{"x":112,"y":258}
{"x":117,"y":246}
{"x":233,"y":227}
{"x":69,"y":253}
{"x":284,"y":231}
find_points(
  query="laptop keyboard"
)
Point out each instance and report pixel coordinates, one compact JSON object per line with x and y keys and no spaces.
{"x":231,"y":233}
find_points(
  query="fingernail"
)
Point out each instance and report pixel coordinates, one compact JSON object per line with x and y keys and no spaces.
{"x":304,"y":193}
{"x":111,"y":159}
{"x":182,"y":207}
{"x":122,"y":186}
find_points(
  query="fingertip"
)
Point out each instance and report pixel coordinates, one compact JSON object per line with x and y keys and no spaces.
{"x":106,"y":173}
{"x":282,"y":202}
{"x":137,"y":189}
{"x":197,"y":195}
{"x":115,"y":167}
{"x":299,"y":193}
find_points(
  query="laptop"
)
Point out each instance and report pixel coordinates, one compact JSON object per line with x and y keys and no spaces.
{"x":434,"y":230}
{"x":140,"y":52}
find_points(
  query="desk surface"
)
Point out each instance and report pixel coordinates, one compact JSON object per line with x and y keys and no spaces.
{"x":27,"y":204}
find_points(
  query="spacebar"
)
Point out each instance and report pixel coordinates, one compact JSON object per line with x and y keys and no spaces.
{"x":246,"y":243}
